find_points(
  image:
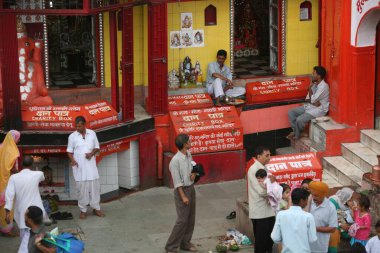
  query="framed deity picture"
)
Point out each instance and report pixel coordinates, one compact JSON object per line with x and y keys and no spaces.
{"x":186,"y":21}
{"x":198,"y":38}
{"x":186,"y":38}
{"x":175,"y":39}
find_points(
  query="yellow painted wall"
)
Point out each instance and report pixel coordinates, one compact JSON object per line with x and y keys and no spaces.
{"x":106,"y":48}
{"x":140,"y":32}
{"x":301,"y":38}
{"x":216,"y":37}
{"x":140,"y":47}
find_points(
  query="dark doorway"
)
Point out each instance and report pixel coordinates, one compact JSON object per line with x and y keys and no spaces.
{"x":253,"y":38}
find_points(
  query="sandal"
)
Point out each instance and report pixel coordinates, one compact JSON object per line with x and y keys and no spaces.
{"x":231,"y":216}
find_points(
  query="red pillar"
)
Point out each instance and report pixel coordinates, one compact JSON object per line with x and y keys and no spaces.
{"x":114,"y":61}
{"x":157,"y":59}
{"x":10,"y":72}
{"x":127,"y":96}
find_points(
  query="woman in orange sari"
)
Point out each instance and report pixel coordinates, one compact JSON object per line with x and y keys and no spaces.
{"x":8,"y":164}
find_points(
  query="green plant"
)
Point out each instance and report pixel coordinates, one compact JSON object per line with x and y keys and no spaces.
{"x":221,"y":248}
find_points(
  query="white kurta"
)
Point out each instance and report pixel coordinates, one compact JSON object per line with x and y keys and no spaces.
{"x":79,"y":146}
{"x":23,"y":188}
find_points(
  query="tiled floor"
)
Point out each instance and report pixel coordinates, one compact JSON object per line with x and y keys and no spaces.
{"x":252,"y":66}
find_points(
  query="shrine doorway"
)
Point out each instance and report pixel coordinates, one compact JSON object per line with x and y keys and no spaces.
{"x":256,"y":38}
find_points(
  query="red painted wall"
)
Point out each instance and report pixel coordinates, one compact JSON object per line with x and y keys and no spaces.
{"x":350,"y":70}
{"x":148,"y":160}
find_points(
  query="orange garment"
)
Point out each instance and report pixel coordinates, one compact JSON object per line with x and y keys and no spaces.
{"x":8,"y":156}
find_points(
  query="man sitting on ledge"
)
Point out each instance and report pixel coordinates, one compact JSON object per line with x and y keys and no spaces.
{"x":317,"y":104}
{"x":219,"y":79}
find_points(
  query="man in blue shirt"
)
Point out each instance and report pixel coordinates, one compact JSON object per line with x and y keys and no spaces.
{"x":295,"y":228}
{"x":219,"y":79}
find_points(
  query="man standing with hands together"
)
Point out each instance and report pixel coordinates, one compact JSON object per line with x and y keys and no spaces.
{"x":184,"y":197}
{"x":82,"y":147}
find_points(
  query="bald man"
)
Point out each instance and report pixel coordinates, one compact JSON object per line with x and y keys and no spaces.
{"x":325,"y":216}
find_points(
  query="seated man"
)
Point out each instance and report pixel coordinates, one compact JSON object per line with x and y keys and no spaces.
{"x":219,"y":79}
{"x":317,"y":104}
{"x":33,"y":242}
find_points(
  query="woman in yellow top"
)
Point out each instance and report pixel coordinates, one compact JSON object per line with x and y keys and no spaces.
{"x":8,"y":164}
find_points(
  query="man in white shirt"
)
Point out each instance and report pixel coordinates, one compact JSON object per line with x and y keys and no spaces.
{"x":295,"y":228}
{"x":219,"y":79}
{"x":22,"y":191}
{"x":82,"y":147}
{"x":260,"y":210}
{"x":317,"y":103}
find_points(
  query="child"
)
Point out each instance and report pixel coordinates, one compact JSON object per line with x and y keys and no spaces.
{"x":285,"y":201}
{"x":274,"y":190}
{"x":362,"y":222}
{"x":373,"y":245}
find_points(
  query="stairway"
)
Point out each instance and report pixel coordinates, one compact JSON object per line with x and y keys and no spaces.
{"x":356,"y":159}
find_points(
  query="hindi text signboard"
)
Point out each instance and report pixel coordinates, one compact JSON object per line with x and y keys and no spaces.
{"x":61,"y":117}
{"x":292,"y":169}
{"x":211,"y":129}
{"x":189,"y":101}
{"x":277,"y":90}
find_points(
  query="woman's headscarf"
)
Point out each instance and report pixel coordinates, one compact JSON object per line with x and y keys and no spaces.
{"x":342,"y":196}
{"x":16,"y":135}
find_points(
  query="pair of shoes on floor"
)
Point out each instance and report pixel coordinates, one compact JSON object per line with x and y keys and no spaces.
{"x":231,"y":216}
{"x":61,"y":216}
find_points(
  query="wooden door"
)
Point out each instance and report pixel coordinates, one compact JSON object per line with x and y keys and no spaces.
{"x":157,"y":102}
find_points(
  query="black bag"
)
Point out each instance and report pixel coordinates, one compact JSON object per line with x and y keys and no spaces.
{"x":199,"y":171}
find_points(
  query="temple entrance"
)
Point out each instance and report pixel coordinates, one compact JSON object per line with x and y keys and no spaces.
{"x":256,"y":38}
{"x":377,"y":78}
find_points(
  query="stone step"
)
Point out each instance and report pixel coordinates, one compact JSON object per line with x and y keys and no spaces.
{"x":371,"y":139}
{"x":330,"y":180}
{"x":360,"y":155}
{"x":305,"y":144}
{"x":342,"y":170}
{"x":286,"y":151}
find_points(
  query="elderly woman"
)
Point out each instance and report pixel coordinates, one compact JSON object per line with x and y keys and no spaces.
{"x":8,"y":164}
{"x":342,"y":201}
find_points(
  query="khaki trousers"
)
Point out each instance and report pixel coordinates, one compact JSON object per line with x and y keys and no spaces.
{"x":184,"y":226}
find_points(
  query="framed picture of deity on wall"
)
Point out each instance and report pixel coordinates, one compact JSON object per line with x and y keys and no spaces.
{"x":186,"y":21}
{"x":198,"y":38}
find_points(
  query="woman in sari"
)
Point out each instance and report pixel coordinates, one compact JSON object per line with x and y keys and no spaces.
{"x":8,"y":164}
{"x":342,"y":201}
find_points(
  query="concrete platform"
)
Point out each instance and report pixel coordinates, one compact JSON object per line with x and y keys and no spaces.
{"x":142,"y":222}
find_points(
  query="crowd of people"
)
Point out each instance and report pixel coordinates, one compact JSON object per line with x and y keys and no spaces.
{"x":20,"y":198}
{"x":304,"y":218}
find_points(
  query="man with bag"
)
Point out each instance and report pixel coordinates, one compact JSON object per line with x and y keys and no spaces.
{"x":184,"y":197}
{"x":32,"y":242}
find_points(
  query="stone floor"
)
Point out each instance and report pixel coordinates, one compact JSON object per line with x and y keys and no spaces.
{"x":141,"y":222}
